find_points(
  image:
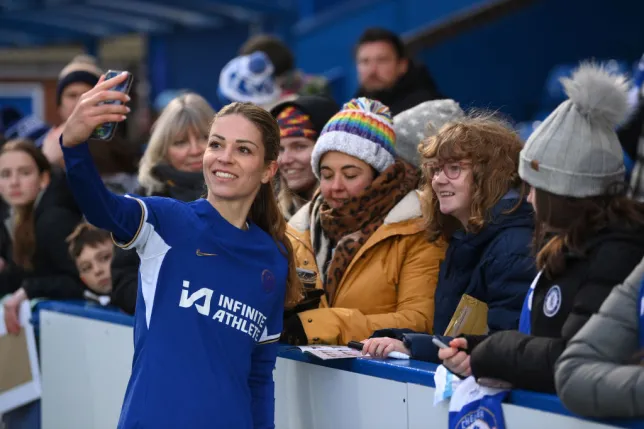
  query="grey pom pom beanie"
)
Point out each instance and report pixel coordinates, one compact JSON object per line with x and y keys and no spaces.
{"x":575,"y":152}
{"x":422,"y":121}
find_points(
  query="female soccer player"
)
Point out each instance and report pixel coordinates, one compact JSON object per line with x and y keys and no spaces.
{"x":215,"y":274}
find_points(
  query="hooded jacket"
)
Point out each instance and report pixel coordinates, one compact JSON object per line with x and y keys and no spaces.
{"x":494,"y":265}
{"x":413,"y":88}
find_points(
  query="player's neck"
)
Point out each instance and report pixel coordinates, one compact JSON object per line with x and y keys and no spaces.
{"x":234,"y":211}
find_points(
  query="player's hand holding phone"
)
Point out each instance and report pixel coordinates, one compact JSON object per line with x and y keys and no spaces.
{"x":100,"y":105}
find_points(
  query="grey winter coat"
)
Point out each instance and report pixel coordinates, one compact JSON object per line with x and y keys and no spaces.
{"x":595,"y":376}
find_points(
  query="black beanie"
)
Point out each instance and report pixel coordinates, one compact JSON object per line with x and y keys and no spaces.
{"x":82,"y":69}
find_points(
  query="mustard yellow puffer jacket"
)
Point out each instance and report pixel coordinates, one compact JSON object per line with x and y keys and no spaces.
{"x":390,"y":283}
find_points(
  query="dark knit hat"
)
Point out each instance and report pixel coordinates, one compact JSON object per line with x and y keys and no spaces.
{"x":318,"y":108}
{"x":295,"y":123}
{"x":82,"y":69}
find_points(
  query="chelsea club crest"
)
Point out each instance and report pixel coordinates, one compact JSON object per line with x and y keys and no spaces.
{"x":552,"y":303}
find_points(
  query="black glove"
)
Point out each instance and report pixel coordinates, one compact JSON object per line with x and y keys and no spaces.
{"x":311,"y":301}
{"x":293,"y":332}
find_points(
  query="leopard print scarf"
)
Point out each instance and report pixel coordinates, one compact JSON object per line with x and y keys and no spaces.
{"x":351,"y":226}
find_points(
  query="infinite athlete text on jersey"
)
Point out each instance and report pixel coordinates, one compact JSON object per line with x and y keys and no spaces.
{"x":231,"y":312}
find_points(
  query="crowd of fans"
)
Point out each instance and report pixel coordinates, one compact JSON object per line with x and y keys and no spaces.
{"x":409,"y":218}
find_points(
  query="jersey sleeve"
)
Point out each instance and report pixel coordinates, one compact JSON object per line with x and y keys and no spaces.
{"x":103,"y":209}
{"x":158,"y":229}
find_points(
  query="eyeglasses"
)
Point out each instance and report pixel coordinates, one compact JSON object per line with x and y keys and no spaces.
{"x":452,"y":170}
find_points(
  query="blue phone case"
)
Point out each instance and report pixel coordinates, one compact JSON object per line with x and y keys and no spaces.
{"x":107,"y":130}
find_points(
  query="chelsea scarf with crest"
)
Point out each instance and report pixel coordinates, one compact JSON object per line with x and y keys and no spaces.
{"x":474,"y":406}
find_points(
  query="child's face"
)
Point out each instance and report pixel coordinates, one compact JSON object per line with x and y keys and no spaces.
{"x":94,"y":267}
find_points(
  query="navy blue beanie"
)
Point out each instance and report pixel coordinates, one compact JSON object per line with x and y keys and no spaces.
{"x":82,"y":69}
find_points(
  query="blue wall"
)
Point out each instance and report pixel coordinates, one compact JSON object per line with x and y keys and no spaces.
{"x":504,"y":65}
{"x":193,"y":59}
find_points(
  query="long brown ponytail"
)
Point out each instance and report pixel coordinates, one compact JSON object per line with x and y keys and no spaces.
{"x":265,"y":212}
{"x":24,"y":234}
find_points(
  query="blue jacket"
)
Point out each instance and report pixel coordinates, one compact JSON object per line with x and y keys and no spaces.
{"x":495,"y":266}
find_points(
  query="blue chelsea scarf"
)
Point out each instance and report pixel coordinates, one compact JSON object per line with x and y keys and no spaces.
{"x":473,"y":405}
{"x":641,"y":310}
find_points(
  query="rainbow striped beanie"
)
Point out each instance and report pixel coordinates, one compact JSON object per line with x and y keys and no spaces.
{"x":363,"y":129}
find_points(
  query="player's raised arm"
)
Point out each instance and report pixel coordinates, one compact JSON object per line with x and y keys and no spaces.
{"x":120,"y":215}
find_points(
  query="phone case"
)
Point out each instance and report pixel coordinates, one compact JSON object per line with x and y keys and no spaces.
{"x":107,"y":130}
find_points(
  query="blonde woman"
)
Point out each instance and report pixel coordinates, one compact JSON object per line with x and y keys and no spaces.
{"x":172,"y":163}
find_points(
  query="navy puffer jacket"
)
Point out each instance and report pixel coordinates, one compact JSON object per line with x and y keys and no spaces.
{"x":495,"y":266}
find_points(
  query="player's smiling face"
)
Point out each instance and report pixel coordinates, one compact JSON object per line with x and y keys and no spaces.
{"x":233,"y":164}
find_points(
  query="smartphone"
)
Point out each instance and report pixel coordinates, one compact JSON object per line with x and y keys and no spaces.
{"x":106,"y":131}
{"x":439,"y":343}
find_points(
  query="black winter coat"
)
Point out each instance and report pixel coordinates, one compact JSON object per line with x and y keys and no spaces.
{"x":560,"y":307}
{"x":414,"y":87}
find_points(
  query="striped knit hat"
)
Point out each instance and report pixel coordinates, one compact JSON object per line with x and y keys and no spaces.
{"x":363,"y":129}
{"x":295,"y":123}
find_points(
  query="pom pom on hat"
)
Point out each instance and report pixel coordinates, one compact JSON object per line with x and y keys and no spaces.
{"x":369,"y":106}
{"x":598,"y":94}
{"x":362,"y":129}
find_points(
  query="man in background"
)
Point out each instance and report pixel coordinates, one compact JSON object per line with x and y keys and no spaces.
{"x":387,"y":74}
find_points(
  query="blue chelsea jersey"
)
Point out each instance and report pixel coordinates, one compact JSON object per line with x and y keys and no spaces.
{"x":209,"y":308}
{"x":209,"y":305}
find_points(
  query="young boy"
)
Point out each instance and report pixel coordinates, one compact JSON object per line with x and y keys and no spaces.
{"x":92,"y":251}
